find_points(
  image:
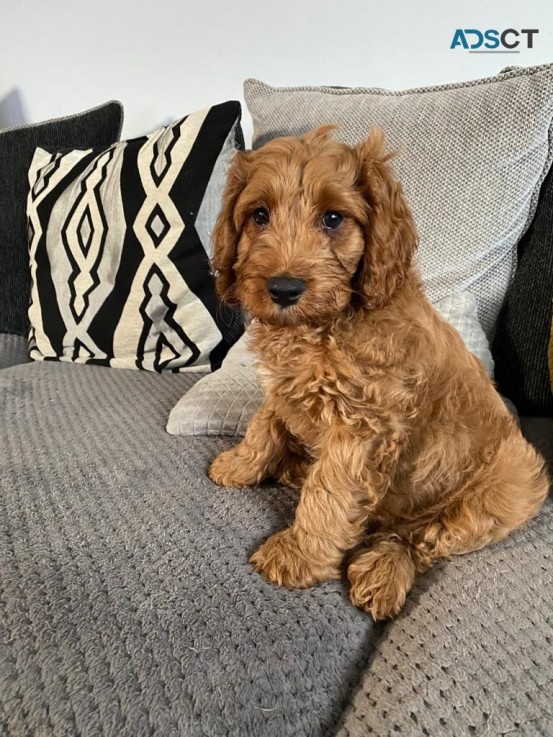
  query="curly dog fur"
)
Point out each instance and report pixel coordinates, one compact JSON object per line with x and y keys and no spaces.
{"x":402,"y":448}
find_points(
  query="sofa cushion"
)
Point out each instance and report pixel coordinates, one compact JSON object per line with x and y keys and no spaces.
{"x":120,"y":245}
{"x":13,"y":350}
{"x":471,"y":157}
{"x":128,"y":607}
{"x":223,"y":403}
{"x":94,"y":128}
{"x":524,"y":324}
{"x":127,"y":604}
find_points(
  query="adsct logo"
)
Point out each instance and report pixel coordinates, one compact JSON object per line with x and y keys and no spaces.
{"x":492,"y":41}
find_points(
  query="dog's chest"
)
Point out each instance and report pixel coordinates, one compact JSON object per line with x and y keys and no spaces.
{"x":312,"y":387}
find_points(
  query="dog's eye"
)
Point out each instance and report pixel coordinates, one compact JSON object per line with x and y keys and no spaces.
{"x":332,"y":220}
{"x":261,"y":216}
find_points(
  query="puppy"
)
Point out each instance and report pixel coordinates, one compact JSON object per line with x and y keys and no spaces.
{"x":403,"y":450}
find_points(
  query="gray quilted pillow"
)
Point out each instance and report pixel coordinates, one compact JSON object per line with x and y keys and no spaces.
{"x":224,"y":402}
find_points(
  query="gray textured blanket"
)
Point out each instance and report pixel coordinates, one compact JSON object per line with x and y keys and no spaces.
{"x":127,"y":605}
{"x":128,"y":608}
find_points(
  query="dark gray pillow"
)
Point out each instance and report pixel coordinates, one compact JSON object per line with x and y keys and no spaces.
{"x":94,"y":128}
{"x":524,"y":324}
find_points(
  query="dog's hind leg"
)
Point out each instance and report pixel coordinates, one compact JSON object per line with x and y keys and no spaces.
{"x":383,"y":571}
{"x":500,"y":497}
{"x":381,"y":574}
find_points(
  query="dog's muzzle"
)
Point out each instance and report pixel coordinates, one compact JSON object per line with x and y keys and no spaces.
{"x":285,"y":290}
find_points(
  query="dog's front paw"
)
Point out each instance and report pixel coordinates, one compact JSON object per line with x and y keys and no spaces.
{"x":228,"y":469}
{"x":280,"y":561}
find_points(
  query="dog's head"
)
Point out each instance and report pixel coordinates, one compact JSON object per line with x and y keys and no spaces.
{"x":311,"y":227}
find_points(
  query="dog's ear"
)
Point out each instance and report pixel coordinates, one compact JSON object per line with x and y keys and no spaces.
{"x":227,"y":230}
{"x":390,"y":233}
{"x":322,"y":133}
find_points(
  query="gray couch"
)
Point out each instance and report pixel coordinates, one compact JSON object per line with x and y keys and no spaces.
{"x":128,"y":608}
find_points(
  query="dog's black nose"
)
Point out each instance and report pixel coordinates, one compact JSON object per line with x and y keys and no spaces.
{"x":285,"y":290}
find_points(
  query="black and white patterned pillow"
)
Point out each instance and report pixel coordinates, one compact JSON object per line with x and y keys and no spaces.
{"x":120,"y":241}
{"x":94,"y":128}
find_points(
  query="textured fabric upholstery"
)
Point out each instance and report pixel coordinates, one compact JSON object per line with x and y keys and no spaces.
{"x":128,"y":607}
{"x":13,"y":350}
{"x":550,"y":356}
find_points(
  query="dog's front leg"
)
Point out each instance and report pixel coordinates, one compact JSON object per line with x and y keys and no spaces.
{"x":339,"y":492}
{"x":257,"y":456}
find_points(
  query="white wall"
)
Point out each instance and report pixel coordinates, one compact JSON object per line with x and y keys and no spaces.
{"x":163,"y":58}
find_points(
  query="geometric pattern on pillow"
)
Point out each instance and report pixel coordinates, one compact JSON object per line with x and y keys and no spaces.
{"x":94,"y":128}
{"x":471,"y":157}
{"x":120,"y":242}
{"x":224,"y":403}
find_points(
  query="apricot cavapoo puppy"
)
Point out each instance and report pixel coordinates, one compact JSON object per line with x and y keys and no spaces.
{"x":403,"y":450}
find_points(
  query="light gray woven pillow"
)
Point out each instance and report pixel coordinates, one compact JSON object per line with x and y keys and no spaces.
{"x":471,"y":158}
{"x":223,"y":403}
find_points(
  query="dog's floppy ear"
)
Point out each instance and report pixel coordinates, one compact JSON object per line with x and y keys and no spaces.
{"x":227,"y":230}
{"x":322,"y":133}
{"x":390,"y":233}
